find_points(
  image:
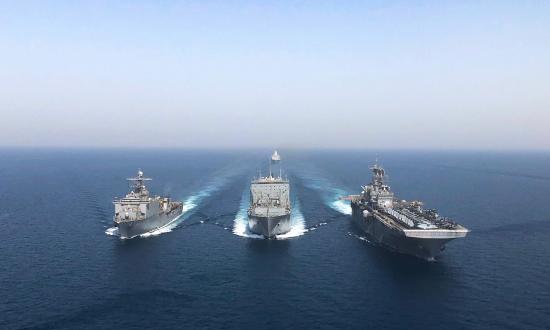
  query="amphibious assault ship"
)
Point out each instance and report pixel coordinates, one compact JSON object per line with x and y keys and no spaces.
{"x":402,"y":226}
{"x":269,"y":212}
{"x":139,"y":213}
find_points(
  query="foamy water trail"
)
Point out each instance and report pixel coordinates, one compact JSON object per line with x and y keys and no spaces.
{"x":240,"y":224}
{"x":189,"y":206}
{"x":329,"y":193}
{"x":113,"y":231}
{"x":164,"y":229}
{"x":341,"y":206}
{"x":297,"y":223}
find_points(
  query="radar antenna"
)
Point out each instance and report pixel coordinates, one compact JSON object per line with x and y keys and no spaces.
{"x":137,"y":183}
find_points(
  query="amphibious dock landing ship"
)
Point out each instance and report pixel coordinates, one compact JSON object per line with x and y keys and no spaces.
{"x":400,"y":225}
{"x":269,"y":212}
{"x":139,"y":213}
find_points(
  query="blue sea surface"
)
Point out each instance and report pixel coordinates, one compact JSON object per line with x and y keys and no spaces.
{"x":60,"y":268}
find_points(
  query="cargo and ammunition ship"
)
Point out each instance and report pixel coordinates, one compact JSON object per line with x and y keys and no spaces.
{"x":139,"y":213}
{"x":399,"y":225}
{"x":269,"y":212}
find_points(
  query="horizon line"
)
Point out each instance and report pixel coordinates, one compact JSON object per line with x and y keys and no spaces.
{"x":262,"y":148}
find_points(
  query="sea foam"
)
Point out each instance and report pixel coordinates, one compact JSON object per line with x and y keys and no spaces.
{"x":329,"y":193}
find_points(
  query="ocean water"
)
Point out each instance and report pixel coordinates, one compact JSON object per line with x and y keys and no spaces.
{"x":62,"y":267}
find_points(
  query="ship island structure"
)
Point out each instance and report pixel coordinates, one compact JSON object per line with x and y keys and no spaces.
{"x":270,"y":208}
{"x":399,"y":225}
{"x":139,"y":212}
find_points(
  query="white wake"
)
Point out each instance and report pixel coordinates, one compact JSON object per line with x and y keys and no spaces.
{"x":166,"y":228}
{"x":297,"y":223}
{"x":329,"y":194}
{"x":113,"y":231}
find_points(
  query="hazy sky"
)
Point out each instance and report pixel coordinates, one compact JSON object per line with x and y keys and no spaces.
{"x":357,"y":74}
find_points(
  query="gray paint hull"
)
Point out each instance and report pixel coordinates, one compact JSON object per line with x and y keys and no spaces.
{"x":393,"y":239}
{"x":269,"y":227}
{"x":136,"y":228}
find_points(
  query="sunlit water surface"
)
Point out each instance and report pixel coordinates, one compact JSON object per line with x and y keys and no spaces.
{"x":63,"y":266}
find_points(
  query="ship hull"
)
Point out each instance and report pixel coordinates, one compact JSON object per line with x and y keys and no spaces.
{"x":269,"y":227}
{"x":135,"y":228}
{"x":396,"y":240}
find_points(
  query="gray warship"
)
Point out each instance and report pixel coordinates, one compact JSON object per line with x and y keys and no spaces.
{"x":269,"y":212}
{"x":399,"y":225}
{"x":139,"y":212}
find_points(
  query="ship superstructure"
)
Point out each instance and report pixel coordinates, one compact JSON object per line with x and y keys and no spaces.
{"x":269,"y":211}
{"x":403,"y":226}
{"x":139,"y":212}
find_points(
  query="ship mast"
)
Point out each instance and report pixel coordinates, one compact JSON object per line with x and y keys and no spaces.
{"x":275,"y":159}
{"x":378,"y":175}
{"x":137,"y":183}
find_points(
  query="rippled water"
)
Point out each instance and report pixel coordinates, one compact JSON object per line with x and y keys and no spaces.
{"x":64,"y":267}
